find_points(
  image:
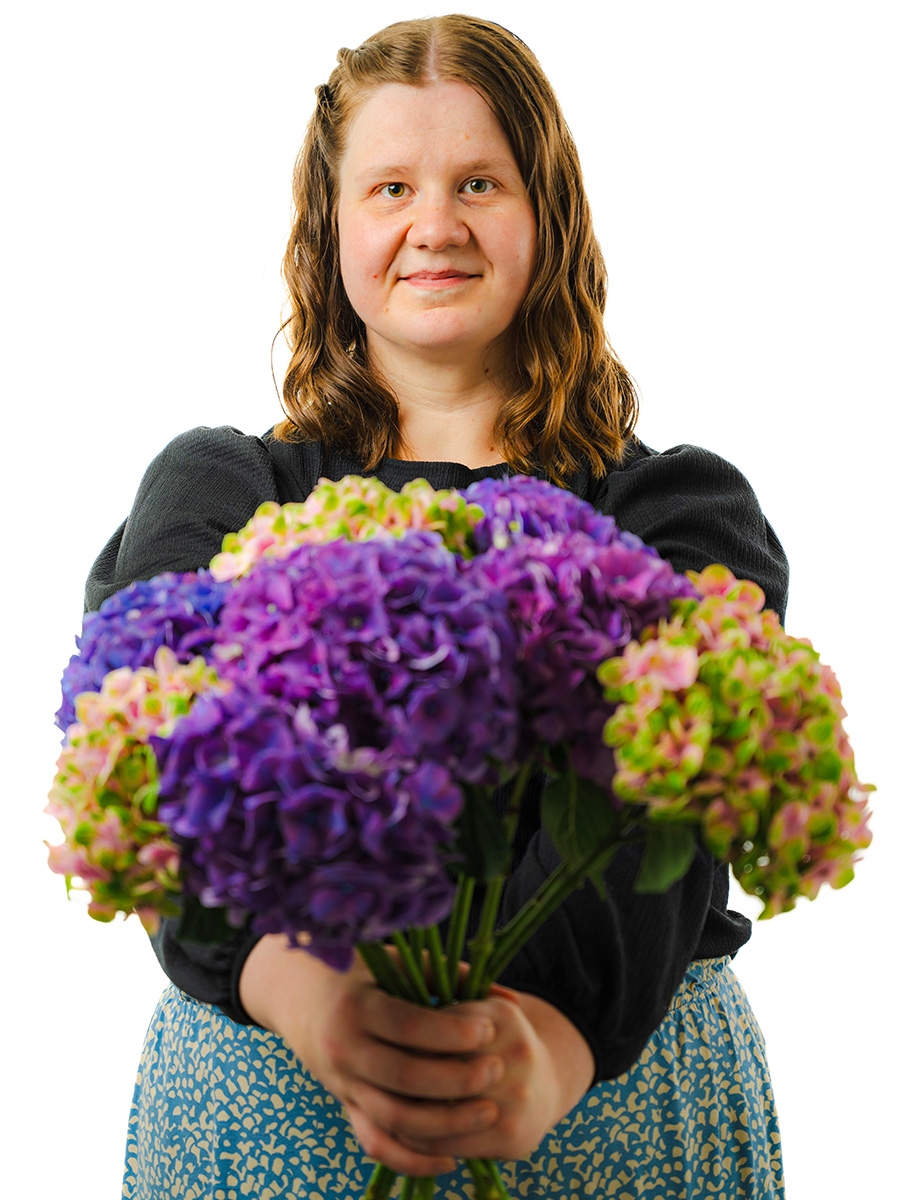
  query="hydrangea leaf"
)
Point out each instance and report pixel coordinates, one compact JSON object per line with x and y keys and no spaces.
{"x":481,"y":837}
{"x":668,"y":854}
{"x":580,"y":818}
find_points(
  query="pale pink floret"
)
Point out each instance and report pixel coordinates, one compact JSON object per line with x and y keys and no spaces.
{"x":789,"y":826}
{"x":160,"y":856}
{"x":109,"y":836}
{"x":827,"y":868}
{"x":659,"y":667}
{"x":678,"y":748}
{"x":67,"y":859}
{"x":716,"y":580}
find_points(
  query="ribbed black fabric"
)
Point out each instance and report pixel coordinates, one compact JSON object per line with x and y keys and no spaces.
{"x":611,"y":967}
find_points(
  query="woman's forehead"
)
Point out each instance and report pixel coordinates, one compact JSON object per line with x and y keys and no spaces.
{"x":399,"y":120}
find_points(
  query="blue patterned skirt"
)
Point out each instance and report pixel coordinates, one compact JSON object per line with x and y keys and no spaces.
{"x":224,"y":1111}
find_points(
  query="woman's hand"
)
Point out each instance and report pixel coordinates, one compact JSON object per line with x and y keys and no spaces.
{"x":547,"y":1068}
{"x":392,"y":1064}
{"x":510,"y":1065}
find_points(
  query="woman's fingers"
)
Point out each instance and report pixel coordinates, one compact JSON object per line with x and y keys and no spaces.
{"x":457,"y":1029}
{"x":425,"y":1120}
{"x":380,"y":1144}
{"x":393,"y":1069}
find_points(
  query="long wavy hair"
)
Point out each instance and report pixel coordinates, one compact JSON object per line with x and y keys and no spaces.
{"x":571,"y":402}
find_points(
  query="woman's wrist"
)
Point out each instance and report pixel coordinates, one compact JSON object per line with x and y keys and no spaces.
{"x":275,"y":983}
{"x":571,"y":1056}
{"x":260,"y":979}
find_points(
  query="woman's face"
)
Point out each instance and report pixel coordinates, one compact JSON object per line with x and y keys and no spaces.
{"x":437,"y":234}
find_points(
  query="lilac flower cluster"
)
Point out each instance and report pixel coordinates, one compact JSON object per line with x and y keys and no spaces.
{"x":282,"y":818}
{"x":573,"y":602}
{"x":524,"y":507}
{"x":391,"y":639}
{"x":178,"y":611}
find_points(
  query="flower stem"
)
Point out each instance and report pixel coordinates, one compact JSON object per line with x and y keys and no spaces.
{"x":414,"y":973}
{"x":424,"y":1187}
{"x":513,"y":936}
{"x":479,"y":1176}
{"x":483,"y":943}
{"x":459,"y":921}
{"x":511,"y":817}
{"x":494,"y":1172}
{"x":417,"y":945}
{"x":439,"y":976}
{"x":486,"y":1176}
{"x":386,"y":972}
{"x":409,"y":1187}
{"x":565,"y":879}
{"x":380,"y":1183}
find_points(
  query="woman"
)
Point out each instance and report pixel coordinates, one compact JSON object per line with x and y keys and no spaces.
{"x":447,"y":299}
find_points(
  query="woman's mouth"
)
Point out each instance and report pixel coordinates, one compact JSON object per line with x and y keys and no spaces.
{"x":437,"y":279}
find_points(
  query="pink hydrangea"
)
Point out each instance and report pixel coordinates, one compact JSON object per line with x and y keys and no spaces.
{"x":356,"y":508}
{"x":104,"y":792}
{"x":723,"y":716}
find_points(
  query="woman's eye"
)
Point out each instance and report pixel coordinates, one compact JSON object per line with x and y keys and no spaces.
{"x":394,"y":190}
{"x":478,"y":187}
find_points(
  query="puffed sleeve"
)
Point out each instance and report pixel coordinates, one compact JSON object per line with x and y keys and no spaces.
{"x":204,"y":484}
{"x":612,"y":966}
{"x":696,"y":508}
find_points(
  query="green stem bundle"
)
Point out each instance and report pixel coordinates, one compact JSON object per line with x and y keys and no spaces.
{"x":491,"y":951}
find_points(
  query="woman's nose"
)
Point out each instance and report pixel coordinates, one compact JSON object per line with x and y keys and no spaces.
{"x":438,"y":221}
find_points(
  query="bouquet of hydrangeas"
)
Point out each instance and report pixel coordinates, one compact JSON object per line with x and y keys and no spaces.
{"x":306,"y":737}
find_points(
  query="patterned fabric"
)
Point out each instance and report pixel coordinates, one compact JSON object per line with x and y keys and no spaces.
{"x":223,"y":1111}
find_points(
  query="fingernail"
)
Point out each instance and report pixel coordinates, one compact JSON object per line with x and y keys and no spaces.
{"x":487,"y":1032}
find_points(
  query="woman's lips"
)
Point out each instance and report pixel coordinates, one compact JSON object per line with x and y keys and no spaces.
{"x":437,"y":279}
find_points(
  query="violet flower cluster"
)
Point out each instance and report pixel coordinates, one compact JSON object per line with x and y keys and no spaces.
{"x":523,"y":507}
{"x":391,"y":639}
{"x":370,"y":681}
{"x":284,"y":820}
{"x":578,"y":590}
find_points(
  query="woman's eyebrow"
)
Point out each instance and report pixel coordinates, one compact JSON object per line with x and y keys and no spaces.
{"x":475,"y":167}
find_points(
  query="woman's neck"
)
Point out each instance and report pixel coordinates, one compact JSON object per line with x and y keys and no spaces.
{"x":447,"y":410}
{"x":432,"y":432}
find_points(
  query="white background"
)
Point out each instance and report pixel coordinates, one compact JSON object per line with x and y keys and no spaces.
{"x":739,"y":159}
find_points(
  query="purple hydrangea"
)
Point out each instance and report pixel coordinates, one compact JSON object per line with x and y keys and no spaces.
{"x":174,"y":610}
{"x":281,"y":818}
{"x":575,"y":602}
{"x":524,"y":507}
{"x":390,"y":639}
